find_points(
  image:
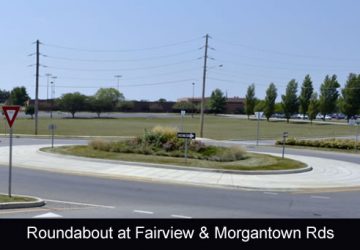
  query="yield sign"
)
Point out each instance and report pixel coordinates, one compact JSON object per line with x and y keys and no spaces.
{"x":10,"y":113}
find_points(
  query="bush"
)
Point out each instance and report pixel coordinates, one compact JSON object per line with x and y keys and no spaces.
{"x":344,"y":144}
{"x":163,"y":141}
{"x":100,"y":145}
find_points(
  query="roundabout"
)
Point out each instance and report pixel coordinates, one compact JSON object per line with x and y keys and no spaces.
{"x":325,"y":174}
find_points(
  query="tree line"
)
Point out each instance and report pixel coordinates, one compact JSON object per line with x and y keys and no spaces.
{"x":104,"y":100}
{"x":308,"y":102}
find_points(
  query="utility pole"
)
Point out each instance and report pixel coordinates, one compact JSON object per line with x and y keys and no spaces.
{"x":203,"y":88}
{"x":37,"y":85}
{"x":118,"y":78}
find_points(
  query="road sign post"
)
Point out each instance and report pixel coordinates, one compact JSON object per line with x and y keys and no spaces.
{"x":52,"y":128}
{"x":10,"y":113}
{"x":186,"y":136}
{"x":182,"y":114}
{"x":258,"y":117}
{"x":285,"y":134}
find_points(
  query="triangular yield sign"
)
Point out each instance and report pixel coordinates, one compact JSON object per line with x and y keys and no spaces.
{"x":11,"y":113}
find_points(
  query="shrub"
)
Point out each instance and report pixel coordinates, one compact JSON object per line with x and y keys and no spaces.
{"x":163,"y":141}
{"x":100,"y":145}
{"x":232,"y":154}
{"x":344,"y":144}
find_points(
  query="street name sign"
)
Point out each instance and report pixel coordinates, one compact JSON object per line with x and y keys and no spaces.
{"x":186,"y":135}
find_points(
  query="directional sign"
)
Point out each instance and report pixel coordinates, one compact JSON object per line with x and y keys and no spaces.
{"x":258,"y":115}
{"x":11,"y":113}
{"x":186,"y":135}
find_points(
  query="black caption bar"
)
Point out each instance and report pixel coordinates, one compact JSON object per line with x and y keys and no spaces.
{"x":244,"y":233}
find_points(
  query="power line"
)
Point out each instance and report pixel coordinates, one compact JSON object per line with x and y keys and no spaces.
{"x":124,"y":69}
{"x":118,"y":60}
{"x":60,"y":85}
{"x":290,"y":63}
{"x":284,"y":53}
{"x":121,"y":50}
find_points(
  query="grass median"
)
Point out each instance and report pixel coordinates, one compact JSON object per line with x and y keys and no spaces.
{"x":6,"y":198}
{"x":216,"y":127}
{"x":251,"y":162}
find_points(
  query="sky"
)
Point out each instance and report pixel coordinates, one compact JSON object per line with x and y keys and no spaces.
{"x":157,"y":46}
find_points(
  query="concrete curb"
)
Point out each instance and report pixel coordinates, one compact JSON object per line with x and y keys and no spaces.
{"x":175,"y":167}
{"x":29,"y":204}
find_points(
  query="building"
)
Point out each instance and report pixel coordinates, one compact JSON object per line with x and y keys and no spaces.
{"x":234,"y":105}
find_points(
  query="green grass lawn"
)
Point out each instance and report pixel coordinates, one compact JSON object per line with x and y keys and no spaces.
{"x":6,"y":198}
{"x":216,"y":127}
{"x":252,"y":161}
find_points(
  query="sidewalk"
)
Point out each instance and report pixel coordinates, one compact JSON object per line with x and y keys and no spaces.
{"x":326,"y":173}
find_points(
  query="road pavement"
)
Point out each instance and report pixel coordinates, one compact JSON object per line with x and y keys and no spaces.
{"x":93,"y":197}
{"x":79,"y":196}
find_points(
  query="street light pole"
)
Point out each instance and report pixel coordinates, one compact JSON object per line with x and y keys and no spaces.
{"x":47,"y":86}
{"x":193,"y":93}
{"x":118,"y":80}
{"x":52,"y":83}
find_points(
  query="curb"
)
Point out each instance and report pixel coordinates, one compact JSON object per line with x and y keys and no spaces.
{"x":175,"y":167}
{"x":26,"y":204}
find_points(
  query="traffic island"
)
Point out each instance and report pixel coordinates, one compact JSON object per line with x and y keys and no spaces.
{"x":165,"y":147}
{"x":20,"y":201}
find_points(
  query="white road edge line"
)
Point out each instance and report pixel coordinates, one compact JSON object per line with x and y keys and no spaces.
{"x":319,"y":197}
{"x":271,"y":193}
{"x":143,"y":212}
{"x":180,"y":216}
{"x":79,"y":203}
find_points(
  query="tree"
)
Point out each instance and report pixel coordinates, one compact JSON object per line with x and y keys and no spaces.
{"x":260,"y":106}
{"x":278,"y":108}
{"x":250,"y":100}
{"x":18,"y":96}
{"x":4,"y":96}
{"x":313,"y":108}
{"x":183,"y":105}
{"x":105,"y":100}
{"x":125,"y":106}
{"x":350,"y":101}
{"x":30,"y":110}
{"x":306,"y":92}
{"x":162,"y":100}
{"x":97,"y":105}
{"x":271,"y":94}
{"x":290,"y":102}
{"x":328,"y":95}
{"x":72,"y":102}
{"x":217,"y":101}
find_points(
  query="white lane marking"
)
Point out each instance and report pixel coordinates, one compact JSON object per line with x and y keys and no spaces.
{"x":319,"y":197}
{"x":180,"y":216}
{"x":80,"y":203}
{"x":48,"y":215}
{"x":143,"y":212}
{"x":270,"y":193}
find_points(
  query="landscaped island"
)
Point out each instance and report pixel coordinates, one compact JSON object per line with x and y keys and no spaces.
{"x":160,"y":145}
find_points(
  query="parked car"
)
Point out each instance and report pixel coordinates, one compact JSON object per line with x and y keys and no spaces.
{"x":278,"y":115}
{"x":338,"y":116}
{"x":320,"y":116}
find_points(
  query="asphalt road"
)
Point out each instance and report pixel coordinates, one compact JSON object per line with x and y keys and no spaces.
{"x":90,"y":197}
